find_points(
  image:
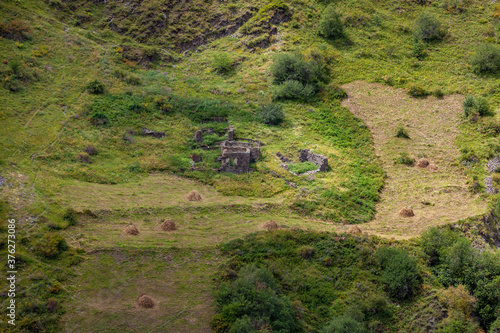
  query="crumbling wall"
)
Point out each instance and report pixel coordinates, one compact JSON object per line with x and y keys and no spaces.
{"x":320,"y":160}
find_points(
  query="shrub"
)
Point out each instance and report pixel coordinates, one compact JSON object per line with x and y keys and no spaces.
{"x":419,"y":50}
{"x":99,"y":119}
{"x":476,"y":105}
{"x":271,"y":114}
{"x":405,"y":159}
{"x":428,"y":28}
{"x":400,"y":272}
{"x":486,"y":59}
{"x":51,"y":245}
{"x":16,"y":30}
{"x":90,"y":149}
{"x":330,"y":25}
{"x":438,"y":93}
{"x":495,"y":327}
{"x":294,"y":67}
{"x":84,"y":158}
{"x":222,"y":63}
{"x":71,"y":216}
{"x":306,"y":251}
{"x":416,"y":90}
{"x":294,"y":90}
{"x":434,"y":242}
{"x":95,"y":87}
{"x":343,"y":325}
{"x":302,"y":167}
{"x":401,"y":132}
{"x":458,"y":299}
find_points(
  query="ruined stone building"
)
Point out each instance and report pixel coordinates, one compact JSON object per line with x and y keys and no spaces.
{"x":236,"y":156}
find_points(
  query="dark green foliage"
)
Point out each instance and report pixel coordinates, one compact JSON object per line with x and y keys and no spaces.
{"x":255,"y":294}
{"x":95,"y":87}
{"x":476,"y":105}
{"x":222,"y":63}
{"x":330,"y":25}
{"x":438,"y":93}
{"x":400,"y":272}
{"x":71,"y":216}
{"x":419,"y":50}
{"x":344,"y":325}
{"x":271,"y":114}
{"x":296,"y":77}
{"x":486,"y":59}
{"x":405,"y":159}
{"x":51,"y":245}
{"x":242,"y":325}
{"x":401,"y":132}
{"x":202,"y":109}
{"x":434,"y":242}
{"x":294,"y":90}
{"x":495,"y":327}
{"x":416,"y":90}
{"x":428,"y":28}
{"x":302,"y":167}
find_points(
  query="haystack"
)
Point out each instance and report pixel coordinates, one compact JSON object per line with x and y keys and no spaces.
{"x":193,"y":196}
{"x":354,"y":230}
{"x":131,"y":230}
{"x":432,"y":168}
{"x":168,"y":225}
{"x":422,"y":163}
{"x":271,"y":225}
{"x":145,"y":301}
{"x":406,"y":212}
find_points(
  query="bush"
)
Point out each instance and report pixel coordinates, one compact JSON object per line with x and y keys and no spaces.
{"x":99,"y":119}
{"x":306,"y":251}
{"x":476,"y":105}
{"x":495,"y":327}
{"x":399,"y":272}
{"x":95,"y":87}
{"x":419,"y":50}
{"x":401,"y":132}
{"x":416,"y":90}
{"x":222,"y":63}
{"x":71,"y":216}
{"x":294,"y":67}
{"x":486,"y":59}
{"x":302,"y":167}
{"x":330,"y":25}
{"x":51,"y":245}
{"x":90,"y":149}
{"x":438,"y":93}
{"x":343,"y":325}
{"x":428,"y":28}
{"x":405,"y":159}
{"x":294,"y":90}
{"x":434,"y":242}
{"x":16,"y":30}
{"x":271,"y":114}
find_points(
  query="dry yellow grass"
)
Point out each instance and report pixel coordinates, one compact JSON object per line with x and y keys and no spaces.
{"x":436,"y":197}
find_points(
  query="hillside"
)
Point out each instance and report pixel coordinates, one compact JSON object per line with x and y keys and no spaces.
{"x":113,"y":112}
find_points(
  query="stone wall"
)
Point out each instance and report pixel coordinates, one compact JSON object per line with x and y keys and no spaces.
{"x":320,"y":160}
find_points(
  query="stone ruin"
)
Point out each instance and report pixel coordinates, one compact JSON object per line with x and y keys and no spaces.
{"x":320,"y":160}
{"x":236,"y":156}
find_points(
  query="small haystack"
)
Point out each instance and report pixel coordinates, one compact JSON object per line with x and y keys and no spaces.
{"x":406,"y":212}
{"x":271,"y":225}
{"x":145,"y":301}
{"x":354,"y":230}
{"x":168,"y":225}
{"x":432,"y":168}
{"x":423,"y":163}
{"x":193,"y":196}
{"x":131,"y":230}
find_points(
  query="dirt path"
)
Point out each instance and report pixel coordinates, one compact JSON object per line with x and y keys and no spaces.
{"x":436,"y":197}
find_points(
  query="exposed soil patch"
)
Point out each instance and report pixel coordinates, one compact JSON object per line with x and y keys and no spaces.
{"x":432,"y":125}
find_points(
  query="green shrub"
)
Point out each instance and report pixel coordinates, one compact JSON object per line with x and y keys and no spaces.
{"x":419,"y":50}
{"x":330,"y":25}
{"x":302,"y":167}
{"x":95,"y":87}
{"x":15,"y":29}
{"x":434,"y":242}
{"x":416,"y":90}
{"x":486,"y":59}
{"x":401,"y":132}
{"x":405,"y":159}
{"x":294,"y":90}
{"x":438,"y":93}
{"x":51,"y":245}
{"x":400,"y":272}
{"x":242,"y":325}
{"x":343,"y":325}
{"x":428,"y":28}
{"x":71,"y":216}
{"x":476,"y":105}
{"x":271,"y":114}
{"x":222,"y":63}
{"x":99,"y":119}
{"x":306,"y":251}
{"x":294,"y":67}
{"x":495,"y":327}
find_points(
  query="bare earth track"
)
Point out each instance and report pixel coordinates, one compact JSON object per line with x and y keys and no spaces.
{"x":438,"y":197}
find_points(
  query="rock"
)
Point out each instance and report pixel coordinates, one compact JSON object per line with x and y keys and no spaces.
{"x":198,"y":136}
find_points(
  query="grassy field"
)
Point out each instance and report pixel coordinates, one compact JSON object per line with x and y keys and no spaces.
{"x":160,"y":70}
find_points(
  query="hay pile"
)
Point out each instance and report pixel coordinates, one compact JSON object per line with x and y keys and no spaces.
{"x":168,"y":225}
{"x":145,"y":301}
{"x":271,"y":225}
{"x":422,"y":163}
{"x":131,"y":230}
{"x":354,"y":230}
{"x":193,"y":196}
{"x":406,"y":212}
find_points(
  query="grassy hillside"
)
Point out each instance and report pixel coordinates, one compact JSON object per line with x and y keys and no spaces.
{"x":82,"y":81}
